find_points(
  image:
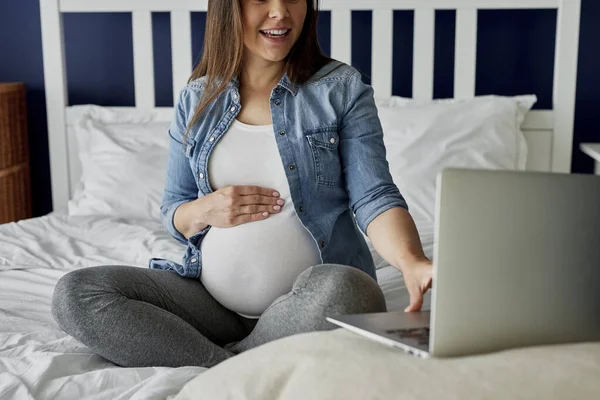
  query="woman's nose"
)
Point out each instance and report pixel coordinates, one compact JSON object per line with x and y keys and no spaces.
{"x":278,"y":9}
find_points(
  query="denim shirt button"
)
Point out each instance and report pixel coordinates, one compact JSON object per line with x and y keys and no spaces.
{"x":212,"y":139}
{"x":323,"y":244}
{"x":292,"y":167}
{"x":277,"y":90}
{"x":281,"y":133}
{"x":277,"y":102}
{"x":194,"y":260}
{"x":201,"y":176}
{"x":301,"y":209}
{"x":232,"y":109}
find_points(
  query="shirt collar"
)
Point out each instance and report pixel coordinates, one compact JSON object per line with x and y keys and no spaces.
{"x":284,"y":82}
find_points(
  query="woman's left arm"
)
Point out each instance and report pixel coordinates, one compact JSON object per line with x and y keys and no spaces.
{"x":381,"y":211}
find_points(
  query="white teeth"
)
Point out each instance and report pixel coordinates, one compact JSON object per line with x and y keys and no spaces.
{"x":276,"y":32}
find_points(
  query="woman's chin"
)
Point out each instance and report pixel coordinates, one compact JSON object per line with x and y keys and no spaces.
{"x":274,"y":57}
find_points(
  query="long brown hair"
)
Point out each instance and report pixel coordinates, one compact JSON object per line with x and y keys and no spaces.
{"x":224,"y":47}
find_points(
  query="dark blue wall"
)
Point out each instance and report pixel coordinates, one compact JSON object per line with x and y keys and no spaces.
{"x":515,"y":53}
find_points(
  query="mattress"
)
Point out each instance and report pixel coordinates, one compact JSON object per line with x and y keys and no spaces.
{"x":37,"y":359}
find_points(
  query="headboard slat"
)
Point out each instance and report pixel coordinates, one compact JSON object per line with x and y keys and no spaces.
{"x":56,"y":100}
{"x":382,"y":47}
{"x":143,"y":57}
{"x":466,"y":53}
{"x":424,"y":44}
{"x":565,"y":78}
{"x":181,"y":50}
{"x":201,"y":5}
{"x":341,"y":34}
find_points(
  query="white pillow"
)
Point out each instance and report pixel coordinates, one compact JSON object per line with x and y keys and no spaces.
{"x":424,"y":137}
{"x":340,"y":364}
{"x":123,"y":157}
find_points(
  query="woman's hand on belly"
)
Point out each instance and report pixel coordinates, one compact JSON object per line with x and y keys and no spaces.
{"x":235,"y":205}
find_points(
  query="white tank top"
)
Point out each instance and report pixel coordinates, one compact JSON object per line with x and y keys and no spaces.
{"x":248,"y":266}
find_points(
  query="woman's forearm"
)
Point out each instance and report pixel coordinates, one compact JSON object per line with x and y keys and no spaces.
{"x":395,"y":237}
{"x":187,"y":218}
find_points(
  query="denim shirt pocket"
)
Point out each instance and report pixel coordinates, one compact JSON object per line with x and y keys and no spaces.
{"x":324,"y":144}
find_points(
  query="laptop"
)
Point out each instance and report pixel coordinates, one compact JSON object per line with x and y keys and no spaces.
{"x":516,"y":263}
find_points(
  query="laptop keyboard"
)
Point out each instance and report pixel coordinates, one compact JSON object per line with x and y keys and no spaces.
{"x":421,"y":335}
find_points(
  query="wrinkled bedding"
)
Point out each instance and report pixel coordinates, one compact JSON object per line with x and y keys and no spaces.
{"x":37,"y":359}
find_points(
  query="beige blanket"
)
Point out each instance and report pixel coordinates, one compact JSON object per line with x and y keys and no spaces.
{"x":342,"y":365}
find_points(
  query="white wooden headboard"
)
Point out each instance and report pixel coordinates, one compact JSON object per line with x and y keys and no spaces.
{"x":549,"y":133}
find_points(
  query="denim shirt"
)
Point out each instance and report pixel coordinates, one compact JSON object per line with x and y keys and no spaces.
{"x":331,"y":144}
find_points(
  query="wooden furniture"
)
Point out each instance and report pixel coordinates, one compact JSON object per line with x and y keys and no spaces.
{"x":592,"y":150}
{"x":15,"y":187}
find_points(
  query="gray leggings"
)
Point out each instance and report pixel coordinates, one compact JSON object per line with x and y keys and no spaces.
{"x":137,"y":317}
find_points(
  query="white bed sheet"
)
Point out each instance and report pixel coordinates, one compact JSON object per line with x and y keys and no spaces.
{"x":37,"y":359}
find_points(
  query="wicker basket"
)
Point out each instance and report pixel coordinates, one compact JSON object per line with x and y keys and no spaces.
{"x":15,"y":187}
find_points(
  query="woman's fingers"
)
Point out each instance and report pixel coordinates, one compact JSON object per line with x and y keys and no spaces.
{"x":416,"y":302}
{"x":247,"y":195}
{"x":247,"y":190}
{"x":258,"y":199}
{"x":243,"y":204}
{"x":259,"y":209}
{"x":245,"y":218}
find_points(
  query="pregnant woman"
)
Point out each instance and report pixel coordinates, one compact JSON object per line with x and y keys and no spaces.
{"x":276,"y":164}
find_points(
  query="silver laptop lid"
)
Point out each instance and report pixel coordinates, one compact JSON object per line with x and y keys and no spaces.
{"x":516,"y":260}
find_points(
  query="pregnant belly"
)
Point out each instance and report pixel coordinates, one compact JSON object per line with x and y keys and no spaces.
{"x":247,"y":267}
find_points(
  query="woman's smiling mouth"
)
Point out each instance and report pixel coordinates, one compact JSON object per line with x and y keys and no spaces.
{"x":275,"y":33}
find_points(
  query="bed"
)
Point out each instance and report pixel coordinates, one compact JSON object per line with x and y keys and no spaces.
{"x":101,"y":217}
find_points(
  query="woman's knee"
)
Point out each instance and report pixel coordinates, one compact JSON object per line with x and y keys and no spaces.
{"x":70,"y":297}
{"x":348,"y":290}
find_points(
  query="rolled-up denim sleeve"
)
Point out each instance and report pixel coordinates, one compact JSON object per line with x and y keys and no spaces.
{"x":369,"y":183}
{"x":180,"y":185}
